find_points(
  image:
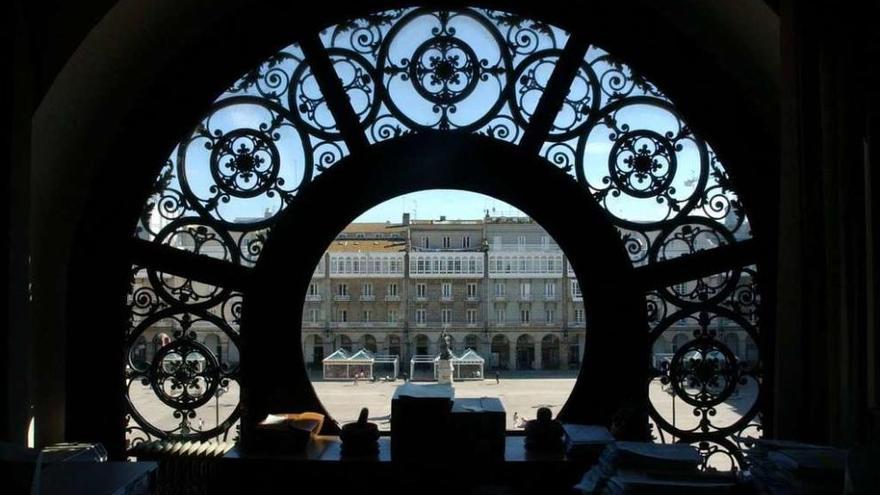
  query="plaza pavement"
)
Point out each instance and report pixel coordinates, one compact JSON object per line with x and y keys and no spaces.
{"x":520,"y":393}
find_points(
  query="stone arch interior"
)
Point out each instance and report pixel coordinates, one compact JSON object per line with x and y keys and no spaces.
{"x":258,"y":143}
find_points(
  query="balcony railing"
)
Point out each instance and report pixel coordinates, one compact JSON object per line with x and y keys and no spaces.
{"x":549,"y":297}
{"x":338,"y":297}
{"x":446,"y":298}
{"x":500,"y":297}
{"x":391,"y":298}
{"x":368,"y":298}
{"x":313,"y":297}
{"x":473,"y":298}
{"x":525,"y":297}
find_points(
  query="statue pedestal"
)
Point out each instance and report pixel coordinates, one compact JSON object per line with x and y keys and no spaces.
{"x":444,"y":371}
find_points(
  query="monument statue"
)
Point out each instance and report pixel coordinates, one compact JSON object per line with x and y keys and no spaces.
{"x":444,"y":364}
{"x":444,"y":346}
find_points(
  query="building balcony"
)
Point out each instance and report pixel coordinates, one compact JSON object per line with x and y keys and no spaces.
{"x":472,"y":324}
{"x":472,"y":299}
{"x":368,"y":298}
{"x":313,"y":324}
{"x":577,"y":297}
{"x":525,"y":297}
{"x":313,"y":298}
{"x":339,"y":298}
{"x":421,"y":298}
{"x":549,"y":297}
{"x":500,"y":297}
{"x":390,"y":298}
{"x":446,"y":298}
{"x":356,"y":324}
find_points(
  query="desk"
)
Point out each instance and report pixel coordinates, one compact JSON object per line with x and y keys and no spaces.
{"x":321,"y":465}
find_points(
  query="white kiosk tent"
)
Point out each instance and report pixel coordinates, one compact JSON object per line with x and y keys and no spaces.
{"x":386,"y":365}
{"x":336,"y":366}
{"x":342,"y":366}
{"x":361,"y":362}
{"x":468,"y":366}
{"x":422,"y":368}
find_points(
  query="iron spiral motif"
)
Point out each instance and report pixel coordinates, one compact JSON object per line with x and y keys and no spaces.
{"x":475,"y":70}
{"x":170,"y":358}
{"x":716,"y":369}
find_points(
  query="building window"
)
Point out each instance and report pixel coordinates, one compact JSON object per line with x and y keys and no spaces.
{"x":472,"y":289}
{"x":520,"y":240}
{"x":466,"y":241}
{"x":421,"y":316}
{"x":472,"y":316}
{"x":313,"y":289}
{"x":525,"y":289}
{"x":392,"y":316}
{"x":313,"y":315}
{"x":342,"y":290}
{"x":368,"y":316}
{"x":427,"y":243}
{"x":447,"y":242}
{"x":421,"y":290}
{"x":524,"y":315}
{"x":550,"y":289}
{"x":579,"y":315}
{"x":549,"y":314}
{"x":499,"y":288}
{"x":392,"y":290}
{"x":341,"y":315}
{"x":499,"y":315}
{"x":446,"y":316}
{"x":367,"y":290}
{"x":446,"y":290}
{"x":576,"y":290}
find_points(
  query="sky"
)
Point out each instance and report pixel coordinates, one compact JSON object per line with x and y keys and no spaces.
{"x":431,"y":204}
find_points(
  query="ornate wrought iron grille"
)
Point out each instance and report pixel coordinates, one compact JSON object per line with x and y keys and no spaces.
{"x":470,"y":70}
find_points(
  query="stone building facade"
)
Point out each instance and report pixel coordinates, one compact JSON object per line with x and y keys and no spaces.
{"x":498,"y":285}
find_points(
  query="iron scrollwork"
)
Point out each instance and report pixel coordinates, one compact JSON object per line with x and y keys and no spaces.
{"x":467,"y":70}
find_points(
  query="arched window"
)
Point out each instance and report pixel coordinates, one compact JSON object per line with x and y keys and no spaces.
{"x":345,"y":343}
{"x":369,"y":343}
{"x":550,"y":352}
{"x":525,"y":353}
{"x":500,"y":352}
{"x":413,"y":73}
{"x":421,"y":342}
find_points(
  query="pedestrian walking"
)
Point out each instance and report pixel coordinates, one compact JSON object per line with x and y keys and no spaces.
{"x":497,"y":377}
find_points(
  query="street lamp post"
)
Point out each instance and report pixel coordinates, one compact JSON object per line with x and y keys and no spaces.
{"x":220,"y":391}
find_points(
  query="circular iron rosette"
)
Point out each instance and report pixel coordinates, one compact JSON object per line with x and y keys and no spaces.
{"x":244,"y":162}
{"x":642,"y":163}
{"x":706,"y":375}
{"x":200,"y":238}
{"x":580,"y":104}
{"x":687,"y":237}
{"x":358,"y":79}
{"x":439,"y":68}
{"x":183,"y":375}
